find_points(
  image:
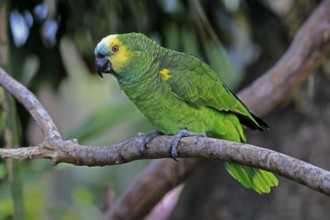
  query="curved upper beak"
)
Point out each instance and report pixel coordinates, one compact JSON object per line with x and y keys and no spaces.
{"x":103,"y":65}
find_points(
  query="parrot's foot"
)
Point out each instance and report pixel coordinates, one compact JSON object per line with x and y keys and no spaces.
{"x":175,"y":141}
{"x":148,"y":138}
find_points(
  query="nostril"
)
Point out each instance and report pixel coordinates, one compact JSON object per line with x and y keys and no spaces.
{"x":100,"y":56}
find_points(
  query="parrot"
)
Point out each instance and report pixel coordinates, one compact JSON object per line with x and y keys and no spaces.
{"x":181,"y":96}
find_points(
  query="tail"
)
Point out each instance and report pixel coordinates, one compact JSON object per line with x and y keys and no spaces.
{"x":259,"y":180}
{"x":252,"y":178}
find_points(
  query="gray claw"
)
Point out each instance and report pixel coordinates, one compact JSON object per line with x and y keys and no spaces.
{"x":176,"y":139}
{"x":147,"y":139}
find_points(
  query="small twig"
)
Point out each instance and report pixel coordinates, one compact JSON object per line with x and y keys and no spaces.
{"x":32,"y":104}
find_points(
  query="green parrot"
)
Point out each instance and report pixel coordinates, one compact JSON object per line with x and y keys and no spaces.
{"x":180,"y":95}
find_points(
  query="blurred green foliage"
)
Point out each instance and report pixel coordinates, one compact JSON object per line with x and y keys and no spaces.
{"x":55,"y":60}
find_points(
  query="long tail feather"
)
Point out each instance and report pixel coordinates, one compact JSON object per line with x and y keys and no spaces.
{"x":259,"y":180}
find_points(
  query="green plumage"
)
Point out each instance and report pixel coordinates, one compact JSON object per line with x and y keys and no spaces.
{"x":190,"y":96}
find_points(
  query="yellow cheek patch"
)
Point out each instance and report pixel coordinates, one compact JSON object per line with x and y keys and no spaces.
{"x":165,"y":74}
{"x":119,"y":58}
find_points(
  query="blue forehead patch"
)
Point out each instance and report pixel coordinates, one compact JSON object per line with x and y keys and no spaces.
{"x":101,"y":48}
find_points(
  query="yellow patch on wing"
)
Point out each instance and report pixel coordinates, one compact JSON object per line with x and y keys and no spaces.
{"x":118,"y":59}
{"x":165,"y":74}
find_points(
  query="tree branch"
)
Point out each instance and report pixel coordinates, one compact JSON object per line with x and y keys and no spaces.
{"x":308,"y":50}
{"x":191,"y":147}
{"x":32,"y":104}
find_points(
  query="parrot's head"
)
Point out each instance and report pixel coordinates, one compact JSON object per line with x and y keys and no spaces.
{"x":124,"y":55}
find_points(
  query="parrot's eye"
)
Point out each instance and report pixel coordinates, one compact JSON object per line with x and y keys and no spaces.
{"x":115,"y":49}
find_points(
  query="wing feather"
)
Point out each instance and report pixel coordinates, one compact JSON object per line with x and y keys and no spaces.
{"x":197,"y":84}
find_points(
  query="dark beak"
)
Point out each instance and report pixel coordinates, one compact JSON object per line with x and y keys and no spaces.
{"x":103,"y":65}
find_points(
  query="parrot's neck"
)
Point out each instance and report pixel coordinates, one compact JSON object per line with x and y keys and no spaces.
{"x":142,"y":65}
{"x":141,"y":87}
{"x":145,"y":83}
{"x":137,"y":75}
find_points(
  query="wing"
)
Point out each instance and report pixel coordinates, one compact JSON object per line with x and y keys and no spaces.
{"x":196,"y":83}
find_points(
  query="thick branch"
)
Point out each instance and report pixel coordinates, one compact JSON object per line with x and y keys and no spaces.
{"x":193,"y":147}
{"x":309,"y":48}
